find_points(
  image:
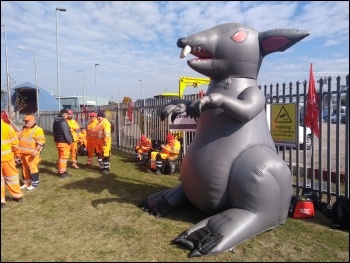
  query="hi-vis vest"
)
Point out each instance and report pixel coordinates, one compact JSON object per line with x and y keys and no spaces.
{"x":103,"y":131}
{"x":74,"y":129}
{"x":9,"y":142}
{"x":82,"y":137}
{"x":29,"y":138}
{"x":90,"y":130}
{"x":175,"y":149}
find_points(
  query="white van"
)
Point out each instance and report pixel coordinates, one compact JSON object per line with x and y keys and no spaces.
{"x":301,"y":131}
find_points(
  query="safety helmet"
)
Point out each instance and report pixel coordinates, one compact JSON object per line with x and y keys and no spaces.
{"x":70,"y":112}
{"x":170,"y":137}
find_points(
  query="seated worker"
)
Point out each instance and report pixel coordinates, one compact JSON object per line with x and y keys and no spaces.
{"x":169,"y":151}
{"x":142,"y":148}
{"x":82,"y":143}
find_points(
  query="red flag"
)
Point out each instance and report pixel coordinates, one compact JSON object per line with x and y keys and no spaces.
{"x":5,"y":117}
{"x":311,"y":114}
{"x":130,"y":111}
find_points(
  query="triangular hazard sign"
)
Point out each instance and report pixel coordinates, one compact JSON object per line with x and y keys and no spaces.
{"x":283,"y":116}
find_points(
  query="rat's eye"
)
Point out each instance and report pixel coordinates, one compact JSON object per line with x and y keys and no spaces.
{"x":240,"y":36}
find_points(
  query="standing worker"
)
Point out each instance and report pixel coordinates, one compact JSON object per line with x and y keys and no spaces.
{"x":91,"y":137}
{"x":31,"y":143}
{"x":75,"y":130}
{"x":9,"y":157}
{"x":63,"y":139}
{"x":103,"y":142}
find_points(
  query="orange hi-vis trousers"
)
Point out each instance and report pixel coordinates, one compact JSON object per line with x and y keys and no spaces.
{"x":73,"y":151}
{"x":10,"y":179}
{"x":63,"y":155}
{"x":91,"y":148}
{"x":29,"y":166}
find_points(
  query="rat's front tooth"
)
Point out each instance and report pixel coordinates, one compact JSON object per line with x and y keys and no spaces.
{"x":186,"y":50}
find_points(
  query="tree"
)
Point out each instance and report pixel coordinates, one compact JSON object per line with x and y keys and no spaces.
{"x":20,"y":101}
{"x":5,"y":94}
{"x":127,"y":99}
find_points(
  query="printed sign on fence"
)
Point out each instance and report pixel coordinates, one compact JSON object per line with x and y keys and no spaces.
{"x":182,"y":122}
{"x":284,"y":123}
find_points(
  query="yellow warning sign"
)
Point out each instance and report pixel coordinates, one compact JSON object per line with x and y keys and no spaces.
{"x":283,"y":116}
{"x":284,"y":123}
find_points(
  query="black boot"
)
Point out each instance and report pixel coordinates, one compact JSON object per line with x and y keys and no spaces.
{"x":100,"y":161}
{"x":159,"y":164}
{"x":64,"y":175}
{"x":106,"y":168}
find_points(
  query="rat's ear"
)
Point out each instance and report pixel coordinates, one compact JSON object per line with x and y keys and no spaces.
{"x":279,"y":39}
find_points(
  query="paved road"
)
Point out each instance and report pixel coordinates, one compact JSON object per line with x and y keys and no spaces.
{"x":332,"y":150}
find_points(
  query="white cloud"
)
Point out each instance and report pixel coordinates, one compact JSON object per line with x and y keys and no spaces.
{"x":135,"y":41}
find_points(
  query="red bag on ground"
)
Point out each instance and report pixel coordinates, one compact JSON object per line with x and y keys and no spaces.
{"x":301,"y":207}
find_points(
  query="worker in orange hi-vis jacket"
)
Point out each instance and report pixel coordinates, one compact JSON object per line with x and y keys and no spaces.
{"x":142,"y":147}
{"x":75,"y":130}
{"x":10,"y":155}
{"x":103,"y":142}
{"x":91,"y":137}
{"x":31,"y":143}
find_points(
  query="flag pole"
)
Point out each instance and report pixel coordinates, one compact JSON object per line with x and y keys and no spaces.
{"x":14,"y":126}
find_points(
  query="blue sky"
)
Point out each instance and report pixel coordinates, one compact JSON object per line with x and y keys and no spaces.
{"x":133,"y":41}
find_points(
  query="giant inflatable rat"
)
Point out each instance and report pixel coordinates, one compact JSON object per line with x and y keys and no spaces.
{"x":231,"y":169}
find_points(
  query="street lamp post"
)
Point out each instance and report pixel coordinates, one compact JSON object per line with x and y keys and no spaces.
{"x":7,"y":75}
{"x":36,"y":81}
{"x":83,"y":87}
{"x":58,"y":83}
{"x":96,"y":83}
{"x":141,"y":89}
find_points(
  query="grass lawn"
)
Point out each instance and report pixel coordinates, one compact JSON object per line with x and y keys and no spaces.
{"x":91,"y":217}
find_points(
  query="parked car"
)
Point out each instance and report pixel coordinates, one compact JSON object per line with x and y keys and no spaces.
{"x":343,"y":118}
{"x":325,"y":114}
{"x":334,"y":118}
{"x":307,"y":139}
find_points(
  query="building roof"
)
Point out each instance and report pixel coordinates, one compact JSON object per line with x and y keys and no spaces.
{"x":47,"y":102}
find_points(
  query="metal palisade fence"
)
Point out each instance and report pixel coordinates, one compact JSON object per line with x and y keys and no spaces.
{"x":324,"y":167}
